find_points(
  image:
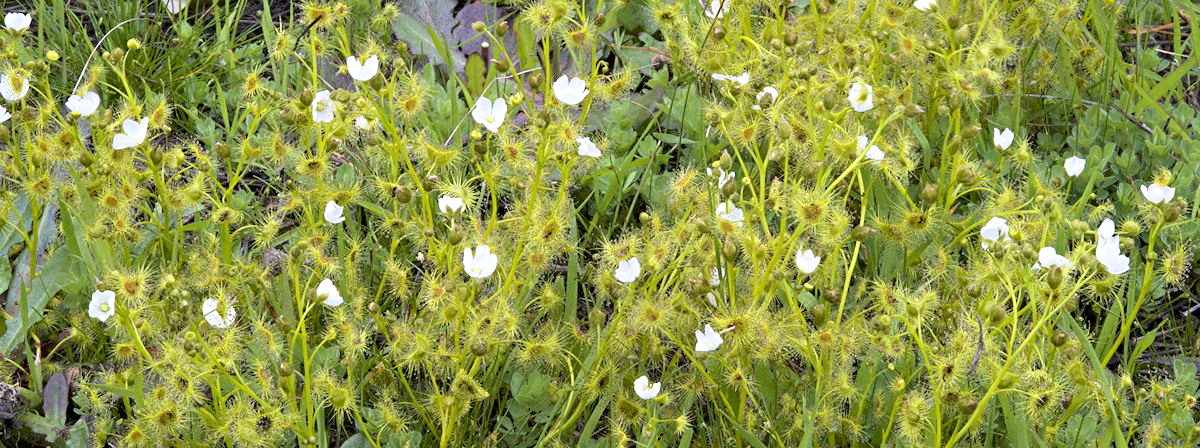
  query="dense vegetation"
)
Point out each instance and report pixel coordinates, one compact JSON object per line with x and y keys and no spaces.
{"x":594,"y":223}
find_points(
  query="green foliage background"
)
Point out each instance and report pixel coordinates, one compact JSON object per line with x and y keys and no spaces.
{"x":910,"y":332}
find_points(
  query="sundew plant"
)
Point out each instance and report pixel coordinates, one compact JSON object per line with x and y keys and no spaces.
{"x":599,"y":223}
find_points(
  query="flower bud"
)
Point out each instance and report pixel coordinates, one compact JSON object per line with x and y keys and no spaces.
{"x":861,"y":233}
{"x":222,"y":150}
{"x":913,"y":110}
{"x":996,"y":313}
{"x":729,"y":248}
{"x":718,"y":32}
{"x":1058,"y":339}
{"x":133,"y":44}
{"x":1055,"y":278}
{"x":929,"y":193}
{"x":971,"y":131}
{"x":820,"y":314}
{"x":830,"y":295}
{"x":501,"y":65}
{"x":810,"y":170}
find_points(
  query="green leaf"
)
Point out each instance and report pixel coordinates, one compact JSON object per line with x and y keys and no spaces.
{"x":356,"y":441}
{"x":48,"y":281}
{"x":423,"y":40}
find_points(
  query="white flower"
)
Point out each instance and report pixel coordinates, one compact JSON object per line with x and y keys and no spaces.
{"x":587,"y":148}
{"x":333,"y":213}
{"x":362,"y":71}
{"x":874,"y":154}
{"x":330,"y":292}
{"x":1158,"y":194}
{"x":490,"y":113}
{"x":768,"y":90}
{"x":995,"y":231}
{"x":628,"y":270}
{"x":570,"y":91}
{"x":174,"y":6}
{"x":1074,"y":165}
{"x":861,"y":97}
{"x":13,"y":87}
{"x":323,"y":107}
{"x":362,"y":122}
{"x":214,"y":317}
{"x":729,"y":212}
{"x":644,"y":389}
{"x":1002,"y":139}
{"x":722,"y":176}
{"x":103,"y":305}
{"x":714,"y":279}
{"x":1108,"y":249}
{"x":4,"y":115}
{"x":450,"y":204}
{"x":709,"y":339}
{"x":134,"y":133}
{"x":741,"y":80}
{"x":807,"y":261}
{"x":715,"y":9}
{"x":924,"y":5}
{"x":1048,"y":257}
{"x":17,"y":21}
{"x":84,"y":105}
{"x":479,"y":263}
